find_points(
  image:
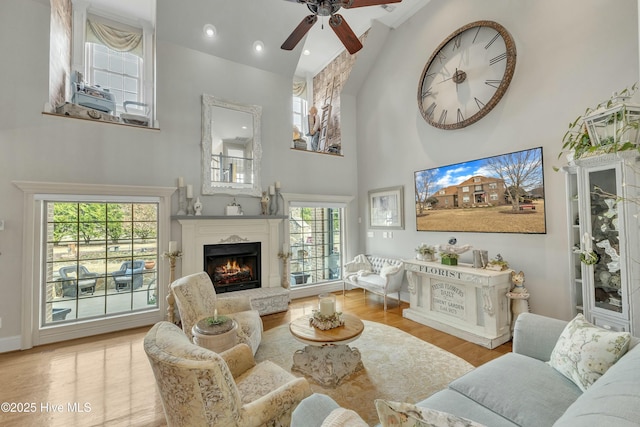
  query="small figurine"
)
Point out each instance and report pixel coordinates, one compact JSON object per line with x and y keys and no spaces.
{"x":518,"y":296}
{"x":264,"y":203}
{"x":197,"y":206}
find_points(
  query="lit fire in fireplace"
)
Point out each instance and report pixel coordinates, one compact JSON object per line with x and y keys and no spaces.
{"x":232,"y":272}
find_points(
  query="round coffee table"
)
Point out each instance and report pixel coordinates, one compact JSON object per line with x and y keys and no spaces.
{"x":327,"y":358}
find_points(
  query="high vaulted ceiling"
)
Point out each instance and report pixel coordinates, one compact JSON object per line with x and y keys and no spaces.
{"x":239,"y":23}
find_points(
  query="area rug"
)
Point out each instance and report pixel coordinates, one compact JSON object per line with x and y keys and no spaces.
{"x":397,"y":366}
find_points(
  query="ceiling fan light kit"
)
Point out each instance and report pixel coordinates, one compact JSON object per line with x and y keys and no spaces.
{"x":337,"y":23}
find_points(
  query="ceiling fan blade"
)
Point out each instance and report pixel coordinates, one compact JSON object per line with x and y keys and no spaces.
{"x":350,"y":4}
{"x":300,"y":31}
{"x":345,"y":33}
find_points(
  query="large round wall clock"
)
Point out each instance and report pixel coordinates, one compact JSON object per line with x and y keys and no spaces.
{"x":467,"y":75}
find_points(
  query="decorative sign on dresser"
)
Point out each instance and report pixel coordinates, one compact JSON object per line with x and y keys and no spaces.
{"x":467,"y":302}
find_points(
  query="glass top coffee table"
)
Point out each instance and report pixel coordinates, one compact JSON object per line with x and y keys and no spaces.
{"x":327,"y":358}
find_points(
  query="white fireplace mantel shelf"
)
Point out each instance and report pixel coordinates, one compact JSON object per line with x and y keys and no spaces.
{"x":210,"y":217}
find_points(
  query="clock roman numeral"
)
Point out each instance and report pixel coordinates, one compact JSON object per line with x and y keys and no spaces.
{"x":498,"y":58}
{"x":430,"y":110}
{"x":493,"y":83}
{"x":488,"y":45}
{"x":426,"y":92}
{"x":460,"y":116}
{"x":456,"y":42}
{"x":476,"y":36}
{"x":441,"y":57}
{"x":479,"y":103}
{"x":443,"y":117}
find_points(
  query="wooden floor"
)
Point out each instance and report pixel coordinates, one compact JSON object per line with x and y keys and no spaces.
{"x":107,"y":380}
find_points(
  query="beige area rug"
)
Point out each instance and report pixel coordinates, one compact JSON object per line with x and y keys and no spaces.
{"x":397,"y":366}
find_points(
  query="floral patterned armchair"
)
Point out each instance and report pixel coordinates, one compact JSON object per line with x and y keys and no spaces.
{"x":199,"y":387}
{"x":196,"y":298}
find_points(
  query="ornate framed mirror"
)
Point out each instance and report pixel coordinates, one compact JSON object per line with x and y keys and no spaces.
{"x":231,"y":147}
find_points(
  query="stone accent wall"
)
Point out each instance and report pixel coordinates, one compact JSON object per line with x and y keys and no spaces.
{"x":339,"y":69}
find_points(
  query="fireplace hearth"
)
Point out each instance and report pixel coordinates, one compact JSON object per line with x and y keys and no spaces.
{"x":233,"y":266}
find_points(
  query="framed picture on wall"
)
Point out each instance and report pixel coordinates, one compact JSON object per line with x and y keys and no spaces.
{"x":386,"y":208}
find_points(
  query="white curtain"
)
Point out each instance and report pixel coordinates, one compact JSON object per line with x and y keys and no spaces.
{"x":118,"y":39}
{"x":299,"y":88}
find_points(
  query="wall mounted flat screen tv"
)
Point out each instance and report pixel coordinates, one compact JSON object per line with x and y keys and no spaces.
{"x":500,"y":194}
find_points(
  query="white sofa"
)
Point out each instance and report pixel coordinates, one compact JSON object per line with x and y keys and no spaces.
{"x":380,"y":275}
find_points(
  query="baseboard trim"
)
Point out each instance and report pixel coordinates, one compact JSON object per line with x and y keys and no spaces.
{"x":10,"y":344}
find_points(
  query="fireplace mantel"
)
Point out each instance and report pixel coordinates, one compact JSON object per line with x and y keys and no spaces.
{"x":210,"y":230}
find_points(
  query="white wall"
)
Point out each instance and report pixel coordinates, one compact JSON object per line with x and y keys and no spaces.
{"x":571,"y":55}
{"x":36,"y":147}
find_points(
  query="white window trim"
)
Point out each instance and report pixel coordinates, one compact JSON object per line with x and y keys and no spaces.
{"x":318,"y":200}
{"x":31,"y":333}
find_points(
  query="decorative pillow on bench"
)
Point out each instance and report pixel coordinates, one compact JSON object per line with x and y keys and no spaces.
{"x":389,"y":269}
{"x":584,"y":351}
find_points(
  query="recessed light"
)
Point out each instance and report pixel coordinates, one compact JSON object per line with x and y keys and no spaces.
{"x":258,"y":46}
{"x":209,"y":31}
{"x":306,"y":52}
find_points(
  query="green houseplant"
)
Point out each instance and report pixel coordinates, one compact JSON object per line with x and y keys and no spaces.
{"x":425,"y":252}
{"x":448,"y":258}
{"x":606,"y":128}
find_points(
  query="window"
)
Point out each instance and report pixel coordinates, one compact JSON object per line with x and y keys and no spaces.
{"x":299,"y":114}
{"x":477,"y":188}
{"x":493,"y":196}
{"x":315,"y":242}
{"x":115,"y":50}
{"x":100,"y":259}
{"x":466,"y":199}
{"x":465,"y":189}
{"x":493,"y":185}
{"x":120,"y":72}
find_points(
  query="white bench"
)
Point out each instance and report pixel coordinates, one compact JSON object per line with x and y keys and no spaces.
{"x":265,"y":300}
{"x":380,"y":275}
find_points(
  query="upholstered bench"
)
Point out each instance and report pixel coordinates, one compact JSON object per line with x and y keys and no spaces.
{"x":265,"y":300}
{"x":376,"y":274}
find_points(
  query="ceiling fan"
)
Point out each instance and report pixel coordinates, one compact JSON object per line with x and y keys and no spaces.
{"x":336,"y":21}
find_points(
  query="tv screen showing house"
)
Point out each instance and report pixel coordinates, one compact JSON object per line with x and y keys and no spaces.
{"x":500,"y":194}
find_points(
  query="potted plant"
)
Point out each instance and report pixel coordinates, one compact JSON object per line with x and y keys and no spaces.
{"x":497,"y":264}
{"x":448,"y":258}
{"x":425,"y":252}
{"x":607,"y":128}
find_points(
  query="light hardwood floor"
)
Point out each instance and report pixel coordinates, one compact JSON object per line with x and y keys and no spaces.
{"x":110,"y":382}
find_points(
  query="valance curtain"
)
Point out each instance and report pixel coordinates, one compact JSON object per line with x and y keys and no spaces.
{"x":121,"y":40}
{"x":299,"y":88}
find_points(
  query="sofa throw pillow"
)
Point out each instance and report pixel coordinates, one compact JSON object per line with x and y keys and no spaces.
{"x":398,"y":414}
{"x":584,"y":351}
{"x":388,"y":269}
{"x":341,"y":417}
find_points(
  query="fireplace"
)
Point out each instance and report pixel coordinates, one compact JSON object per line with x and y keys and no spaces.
{"x":233,"y":266}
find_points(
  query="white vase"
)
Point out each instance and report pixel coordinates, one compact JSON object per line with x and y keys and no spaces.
{"x":425,"y":257}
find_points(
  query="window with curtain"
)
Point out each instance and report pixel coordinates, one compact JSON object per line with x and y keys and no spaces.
{"x":114,"y":60}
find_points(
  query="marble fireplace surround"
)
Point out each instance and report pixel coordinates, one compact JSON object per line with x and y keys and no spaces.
{"x":200,"y":231}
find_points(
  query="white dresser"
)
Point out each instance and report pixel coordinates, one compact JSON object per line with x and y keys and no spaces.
{"x":467,"y":302}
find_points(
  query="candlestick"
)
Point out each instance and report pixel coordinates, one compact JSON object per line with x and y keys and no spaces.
{"x":182,"y":201}
{"x":173,"y":246}
{"x":189,"y":191}
{"x":277,"y":184}
{"x":180,"y":181}
{"x":272,"y":190}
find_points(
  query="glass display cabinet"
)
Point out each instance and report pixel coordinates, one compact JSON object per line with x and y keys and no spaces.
{"x":603,"y":235}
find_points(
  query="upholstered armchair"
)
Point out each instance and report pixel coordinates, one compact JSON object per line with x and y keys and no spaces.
{"x":196,"y":298}
{"x":199,"y":387}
